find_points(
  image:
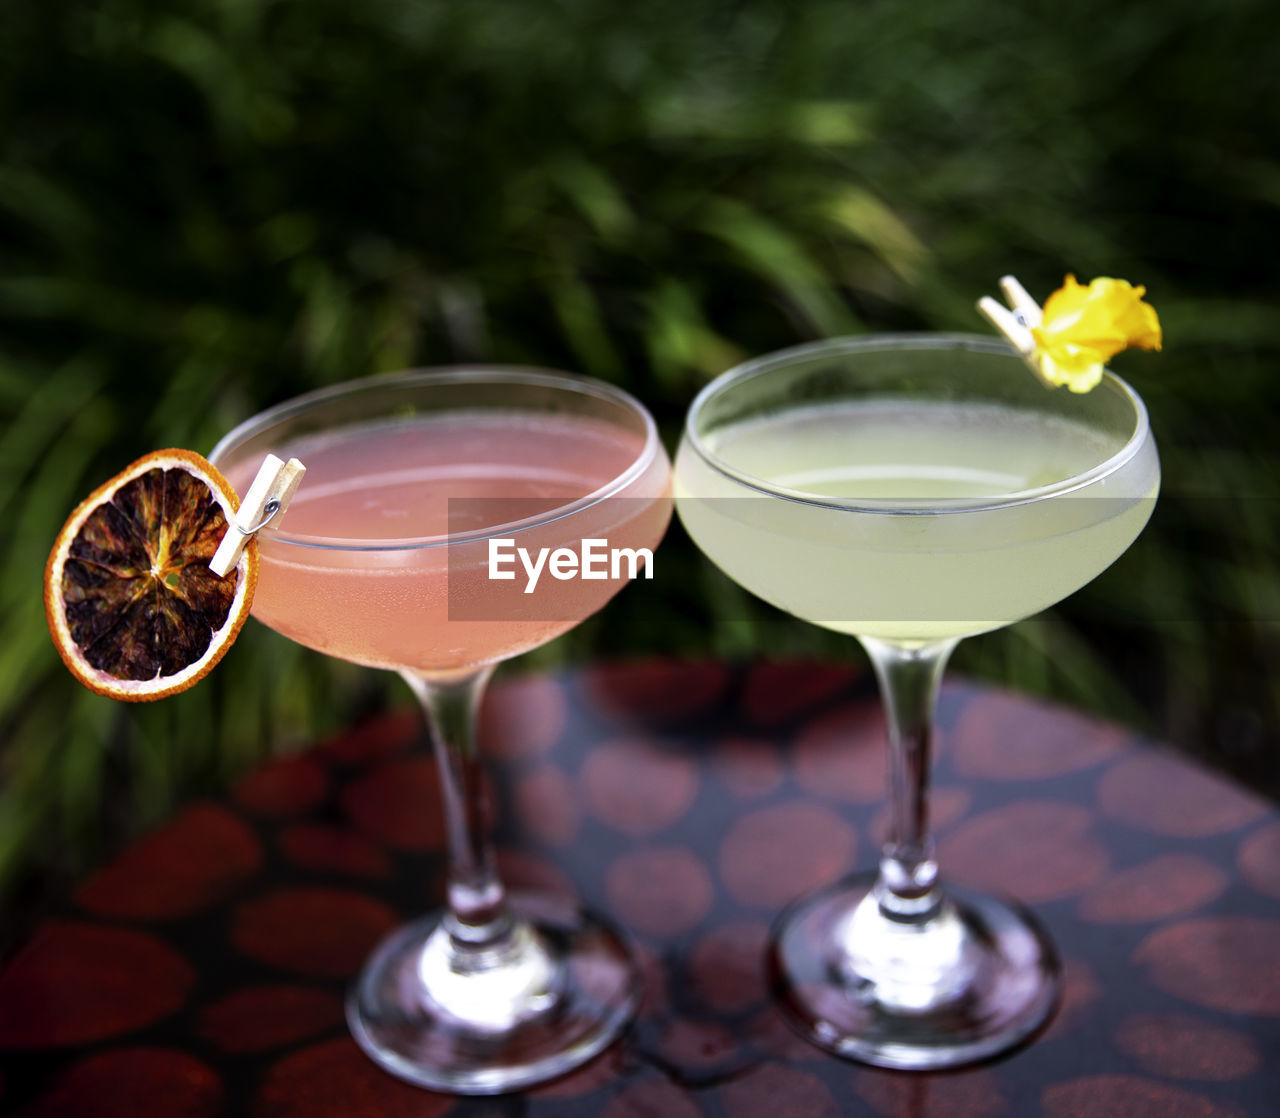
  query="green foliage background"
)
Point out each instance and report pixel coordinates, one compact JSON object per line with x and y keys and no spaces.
{"x":209,"y":205}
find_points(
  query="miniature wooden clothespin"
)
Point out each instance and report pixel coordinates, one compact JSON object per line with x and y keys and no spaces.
{"x":268,"y":496}
{"x":1017,"y":321}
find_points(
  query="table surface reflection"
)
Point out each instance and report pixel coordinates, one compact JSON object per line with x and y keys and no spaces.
{"x":201,"y":973}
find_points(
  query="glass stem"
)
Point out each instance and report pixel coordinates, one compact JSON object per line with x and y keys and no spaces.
{"x":907,"y":889}
{"x":477,"y":912}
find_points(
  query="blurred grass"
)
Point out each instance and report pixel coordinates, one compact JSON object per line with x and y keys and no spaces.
{"x":209,"y":205}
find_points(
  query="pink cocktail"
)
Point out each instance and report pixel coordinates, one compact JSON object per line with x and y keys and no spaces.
{"x":449,"y":520}
{"x":401,"y":603}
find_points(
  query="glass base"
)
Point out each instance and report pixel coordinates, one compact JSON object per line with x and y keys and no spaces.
{"x":481,"y":1019}
{"x":975,"y":979}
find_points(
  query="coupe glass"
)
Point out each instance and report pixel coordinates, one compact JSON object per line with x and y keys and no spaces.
{"x":912,"y":490}
{"x":383,"y":560}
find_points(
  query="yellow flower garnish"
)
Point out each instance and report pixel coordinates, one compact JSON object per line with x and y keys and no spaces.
{"x":1082,"y":328}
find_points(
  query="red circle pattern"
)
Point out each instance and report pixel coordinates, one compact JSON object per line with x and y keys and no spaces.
{"x":1121,"y":1095}
{"x":638,"y":788}
{"x":129,"y":1082}
{"x":324,"y":847}
{"x":198,"y":859}
{"x":726,"y":966}
{"x":774,"y":854}
{"x":1167,"y":885}
{"x":655,"y":691}
{"x":1259,"y":860}
{"x":288,"y":786}
{"x":1036,"y":850}
{"x":336,"y":1080}
{"x":1227,"y":963}
{"x":660,"y":891}
{"x":748,"y":767}
{"x":323,"y":933}
{"x":201,"y":972}
{"x":842,"y":755}
{"x":1183,"y":1047}
{"x":1161,"y":793}
{"x":259,"y":1018}
{"x":774,"y":692}
{"x":523,"y":718}
{"x":397,"y":804}
{"x":1009,"y":738}
{"x":548,"y":805}
{"x":75,"y":983}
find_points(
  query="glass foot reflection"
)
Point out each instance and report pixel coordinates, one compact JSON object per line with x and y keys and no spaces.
{"x":494,"y":1016}
{"x":976,"y":978}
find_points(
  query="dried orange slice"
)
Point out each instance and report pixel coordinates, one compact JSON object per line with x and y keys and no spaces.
{"x":134,"y":610}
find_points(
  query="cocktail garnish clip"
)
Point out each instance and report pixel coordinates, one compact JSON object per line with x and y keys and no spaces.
{"x":1081,"y":327}
{"x":272,"y":490}
{"x":1016,"y":321}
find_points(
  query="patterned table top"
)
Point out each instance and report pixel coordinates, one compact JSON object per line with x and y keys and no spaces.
{"x":201,"y":973}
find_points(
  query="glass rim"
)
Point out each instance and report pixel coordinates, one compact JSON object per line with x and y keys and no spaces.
{"x":888,"y":506}
{"x":478,"y":374}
